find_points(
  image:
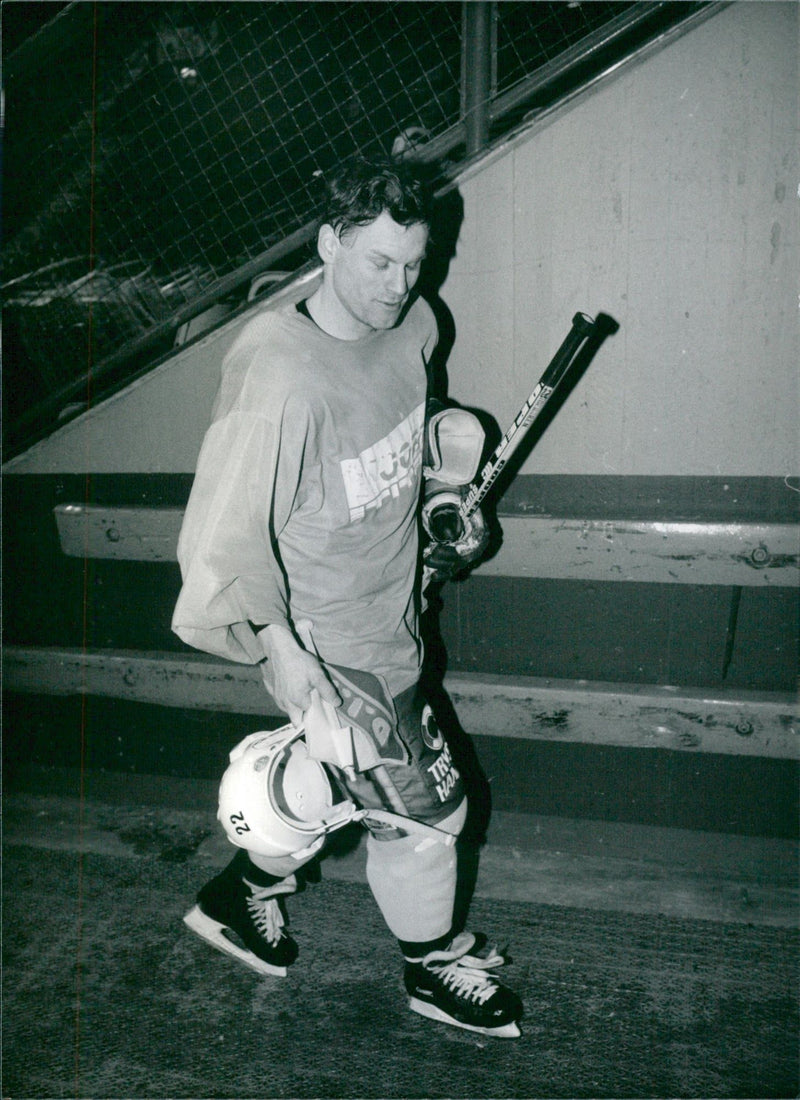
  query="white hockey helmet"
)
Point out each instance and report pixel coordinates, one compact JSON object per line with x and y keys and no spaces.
{"x":275,"y":800}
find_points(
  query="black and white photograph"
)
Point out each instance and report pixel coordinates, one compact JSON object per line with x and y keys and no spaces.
{"x":400,"y":550}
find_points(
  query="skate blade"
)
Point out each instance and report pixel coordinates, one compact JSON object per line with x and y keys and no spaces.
{"x":506,"y":1031}
{"x":213,"y":932}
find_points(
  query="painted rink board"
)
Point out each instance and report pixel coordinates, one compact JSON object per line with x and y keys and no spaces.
{"x":525,"y":708}
{"x":673,"y":552}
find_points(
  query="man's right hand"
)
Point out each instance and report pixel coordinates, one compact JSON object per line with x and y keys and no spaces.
{"x":291,"y":673}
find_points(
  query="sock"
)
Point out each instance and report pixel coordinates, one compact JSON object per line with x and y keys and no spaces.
{"x":258,"y":876}
{"x":416,"y":952}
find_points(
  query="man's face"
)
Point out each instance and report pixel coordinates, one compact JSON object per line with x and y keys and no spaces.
{"x":370,"y":273}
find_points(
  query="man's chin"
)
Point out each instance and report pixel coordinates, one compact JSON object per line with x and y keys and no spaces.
{"x":388,"y":316}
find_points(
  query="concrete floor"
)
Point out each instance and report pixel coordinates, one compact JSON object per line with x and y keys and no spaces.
{"x":528,"y":858}
{"x":651,"y":963}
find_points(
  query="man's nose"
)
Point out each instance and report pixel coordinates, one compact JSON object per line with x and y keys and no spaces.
{"x":398,"y":282}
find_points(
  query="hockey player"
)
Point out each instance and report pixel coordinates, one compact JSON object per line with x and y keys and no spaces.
{"x":300,"y":552}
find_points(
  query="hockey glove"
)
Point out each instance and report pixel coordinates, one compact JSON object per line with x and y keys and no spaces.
{"x":454,"y":543}
{"x":453,"y":444}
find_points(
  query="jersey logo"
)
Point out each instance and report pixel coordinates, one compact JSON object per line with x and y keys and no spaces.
{"x":444,"y":774}
{"x":381,"y":471}
{"x":431,"y":734}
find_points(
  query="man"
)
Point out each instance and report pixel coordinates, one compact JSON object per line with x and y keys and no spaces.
{"x":300,"y":551}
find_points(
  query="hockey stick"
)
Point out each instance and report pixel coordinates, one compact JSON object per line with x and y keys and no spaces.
{"x":583,"y":327}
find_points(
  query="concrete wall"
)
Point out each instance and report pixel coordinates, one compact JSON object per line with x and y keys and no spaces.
{"x":666,"y":198}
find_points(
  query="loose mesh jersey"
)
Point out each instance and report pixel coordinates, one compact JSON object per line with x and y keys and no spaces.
{"x":305,"y":499}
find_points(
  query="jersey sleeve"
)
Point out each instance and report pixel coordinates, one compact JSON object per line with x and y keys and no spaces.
{"x":244,"y":486}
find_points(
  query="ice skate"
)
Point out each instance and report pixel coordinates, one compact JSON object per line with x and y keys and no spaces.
{"x":244,"y":920}
{"x":456,"y":988}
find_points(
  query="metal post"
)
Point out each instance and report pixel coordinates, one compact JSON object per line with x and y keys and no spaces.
{"x":476,"y":72}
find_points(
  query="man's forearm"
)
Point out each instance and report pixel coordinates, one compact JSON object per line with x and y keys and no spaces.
{"x":277,"y":639}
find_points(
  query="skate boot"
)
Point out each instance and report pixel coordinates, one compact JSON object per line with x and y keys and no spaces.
{"x":232,"y":907}
{"x":457,"y":988}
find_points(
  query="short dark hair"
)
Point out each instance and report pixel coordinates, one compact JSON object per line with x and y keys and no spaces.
{"x":362,"y":189}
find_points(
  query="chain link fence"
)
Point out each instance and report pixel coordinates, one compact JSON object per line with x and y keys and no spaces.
{"x":153,"y":149}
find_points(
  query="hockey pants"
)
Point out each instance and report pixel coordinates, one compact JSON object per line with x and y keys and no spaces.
{"x":412,"y":878}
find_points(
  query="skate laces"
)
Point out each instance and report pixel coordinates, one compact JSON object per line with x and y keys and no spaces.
{"x":266,"y":913}
{"x":463,"y":974}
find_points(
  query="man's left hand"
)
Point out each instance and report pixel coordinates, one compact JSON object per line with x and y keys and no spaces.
{"x":455,"y":543}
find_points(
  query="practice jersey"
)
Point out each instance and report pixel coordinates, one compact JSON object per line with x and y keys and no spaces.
{"x":305,"y":500}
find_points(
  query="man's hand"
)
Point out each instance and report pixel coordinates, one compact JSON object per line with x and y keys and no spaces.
{"x":291,"y":673}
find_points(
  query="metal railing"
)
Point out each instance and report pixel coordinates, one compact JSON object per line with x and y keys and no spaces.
{"x":159,"y":156}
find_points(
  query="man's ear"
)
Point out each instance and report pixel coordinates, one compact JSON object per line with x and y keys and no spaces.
{"x":327,"y":243}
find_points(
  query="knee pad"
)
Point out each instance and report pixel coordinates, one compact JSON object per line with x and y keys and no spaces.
{"x":413,"y":880}
{"x":274,"y":800}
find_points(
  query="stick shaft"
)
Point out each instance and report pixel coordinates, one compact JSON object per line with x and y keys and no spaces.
{"x":582,"y":328}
